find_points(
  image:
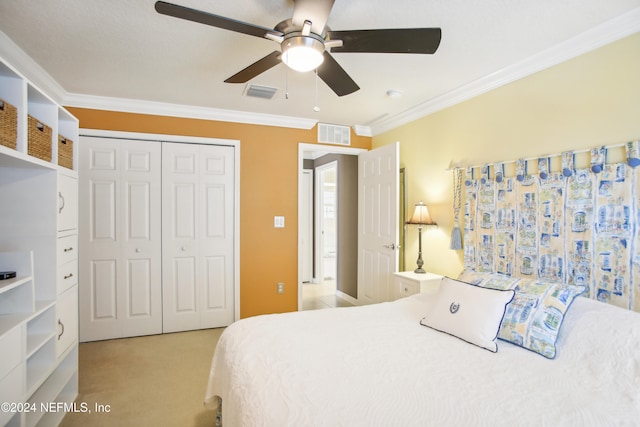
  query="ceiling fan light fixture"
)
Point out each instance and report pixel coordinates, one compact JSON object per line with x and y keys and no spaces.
{"x":302,"y":53}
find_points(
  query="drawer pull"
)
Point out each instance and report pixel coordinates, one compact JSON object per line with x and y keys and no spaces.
{"x":68,"y":249}
{"x":68,"y":276}
{"x":62,"y":329}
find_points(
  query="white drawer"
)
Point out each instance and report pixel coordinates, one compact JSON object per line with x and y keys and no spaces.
{"x":67,"y":276}
{"x":406,"y":288}
{"x":67,"y":249}
{"x":11,"y":344}
{"x":12,"y":391}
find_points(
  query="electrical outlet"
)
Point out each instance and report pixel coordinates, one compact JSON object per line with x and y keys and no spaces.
{"x":280,"y":288}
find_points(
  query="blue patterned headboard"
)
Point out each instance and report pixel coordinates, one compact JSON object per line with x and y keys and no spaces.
{"x":576,"y":226}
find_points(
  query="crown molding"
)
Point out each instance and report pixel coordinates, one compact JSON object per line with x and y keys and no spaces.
{"x":603,"y":34}
{"x":362,"y":130}
{"x":187,"y":111}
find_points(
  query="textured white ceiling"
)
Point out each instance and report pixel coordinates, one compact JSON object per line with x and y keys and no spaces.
{"x":124,"y":49}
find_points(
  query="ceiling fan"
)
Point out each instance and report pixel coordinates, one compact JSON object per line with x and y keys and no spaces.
{"x":305,"y":41}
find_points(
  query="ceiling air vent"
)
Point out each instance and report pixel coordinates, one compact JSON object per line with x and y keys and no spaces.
{"x":264,"y":92}
{"x":334,"y":134}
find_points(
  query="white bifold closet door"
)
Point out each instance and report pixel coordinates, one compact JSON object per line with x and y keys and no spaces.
{"x":157,"y":243}
{"x":197,"y":239}
{"x":120,"y":238}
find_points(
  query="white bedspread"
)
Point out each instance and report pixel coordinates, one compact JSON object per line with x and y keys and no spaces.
{"x":377,"y":366}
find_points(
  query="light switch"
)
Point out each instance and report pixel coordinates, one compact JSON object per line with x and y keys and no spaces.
{"x":278,"y":222}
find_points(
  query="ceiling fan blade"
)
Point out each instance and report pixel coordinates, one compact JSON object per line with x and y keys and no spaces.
{"x":316,"y":11}
{"x":217,"y":21}
{"x":400,"y":40}
{"x":336,"y":77}
{"x":256,"y":68}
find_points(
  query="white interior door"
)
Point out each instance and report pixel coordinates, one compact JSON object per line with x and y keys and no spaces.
{"x":306,"y":225}
{"x":378,"y":236}
{"x":120,"y":238}
{"x":326,"y":222}
{"x":198,"y":241}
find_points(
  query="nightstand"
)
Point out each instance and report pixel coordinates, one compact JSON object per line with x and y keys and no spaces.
{"x":407,"y":283}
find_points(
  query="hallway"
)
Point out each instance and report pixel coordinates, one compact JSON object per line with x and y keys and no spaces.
{"x":322,"y":295}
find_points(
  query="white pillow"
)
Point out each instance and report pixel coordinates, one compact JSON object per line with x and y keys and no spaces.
{"x":469,"y":312}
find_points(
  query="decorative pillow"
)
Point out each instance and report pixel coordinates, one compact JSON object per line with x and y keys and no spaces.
{"x":534,"y":317}
{"x":469,"y":312}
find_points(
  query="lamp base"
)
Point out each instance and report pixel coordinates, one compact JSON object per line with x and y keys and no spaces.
{"x":419,"y":270}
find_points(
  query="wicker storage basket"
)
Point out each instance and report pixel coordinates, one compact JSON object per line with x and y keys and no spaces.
{"x":39,"y":138}
{"x":8,"y":124}
{"x":65,"y":152}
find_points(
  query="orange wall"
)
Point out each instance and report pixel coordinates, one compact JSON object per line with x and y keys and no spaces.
{"x":268,"y":187}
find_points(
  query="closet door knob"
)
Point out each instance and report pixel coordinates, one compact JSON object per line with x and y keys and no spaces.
{"x":138,"y":250}
{"x":183,"y":248}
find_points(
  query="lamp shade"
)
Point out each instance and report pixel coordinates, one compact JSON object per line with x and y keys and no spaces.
{"x":421,"y":216}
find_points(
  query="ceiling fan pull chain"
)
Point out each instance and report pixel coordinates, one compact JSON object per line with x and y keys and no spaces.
{"x":316,"y":108}
{"x":286,"y":82}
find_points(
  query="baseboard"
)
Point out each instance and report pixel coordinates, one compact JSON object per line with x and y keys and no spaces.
{"x":346,"y":297}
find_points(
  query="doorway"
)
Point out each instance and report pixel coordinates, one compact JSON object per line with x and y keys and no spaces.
{"x":325,"y":260}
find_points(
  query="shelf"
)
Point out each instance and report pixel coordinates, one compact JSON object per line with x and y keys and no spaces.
{"x":40,"y":365}
{"x":61,"y":386}
{"x":41,"y":329}
{"x":18,"y":299}
{"x":10,"y":321}
{"x":8,"y":284}
{"x":10,"y":158}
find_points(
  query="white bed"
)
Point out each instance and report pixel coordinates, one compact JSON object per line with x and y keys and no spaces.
{"x":377,"y":366}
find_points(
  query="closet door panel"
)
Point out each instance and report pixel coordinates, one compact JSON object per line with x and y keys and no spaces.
{"x":140,"y":216}
{"x":179,"y":240}
{"x":141,"y":297}
{"x":120,"y":236}
{"x":103,"y":211}
{"x":216,"y":240}
{"x":216,"y":279}
{"x":184,"y":212}
{"x":185,"y":289}
{"x":139,"y":288}
{"x":102,"y":303}
{"x":198,"y":222}
{"x":215,"y":211}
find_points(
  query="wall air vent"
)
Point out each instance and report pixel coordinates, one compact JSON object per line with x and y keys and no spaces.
{"x":264,"y":92}
{"x":334,"y":134}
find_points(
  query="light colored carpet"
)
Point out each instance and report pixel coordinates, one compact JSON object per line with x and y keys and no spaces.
{"x":157,"y":380}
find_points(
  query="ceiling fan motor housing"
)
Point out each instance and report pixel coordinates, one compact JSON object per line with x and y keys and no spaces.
{"x":302,"y":52}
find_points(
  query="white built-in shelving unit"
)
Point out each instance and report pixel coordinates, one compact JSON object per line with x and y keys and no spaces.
{"x":39,"y":241}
